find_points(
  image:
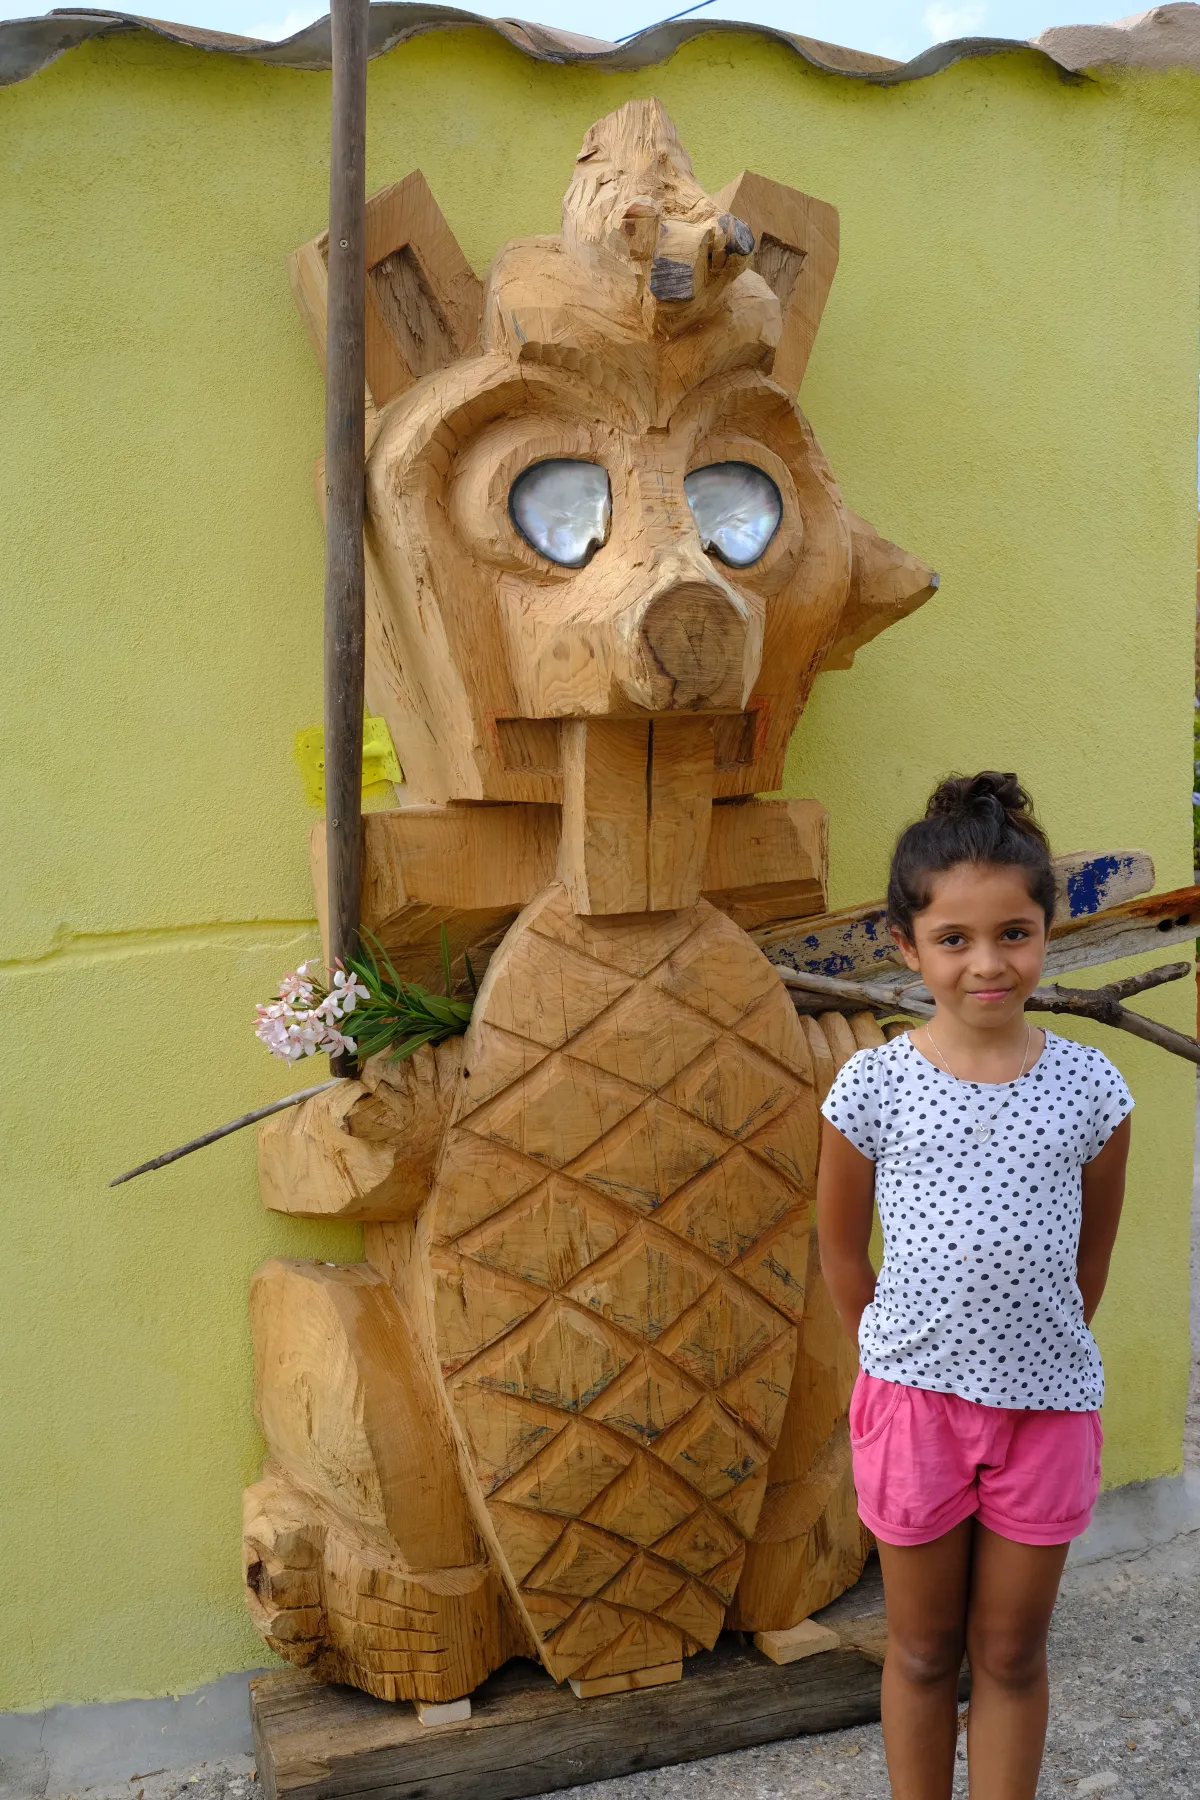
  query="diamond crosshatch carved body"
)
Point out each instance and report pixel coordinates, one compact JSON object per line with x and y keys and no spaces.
{"x":585,"y":1399}
{"x":652,"y":1231}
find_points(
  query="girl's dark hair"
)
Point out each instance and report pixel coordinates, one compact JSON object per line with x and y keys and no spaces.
{"x":984,"y":818}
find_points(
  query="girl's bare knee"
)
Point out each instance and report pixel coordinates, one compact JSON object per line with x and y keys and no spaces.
{"x":1007,"y":1659}
{"x":926,"y":1658}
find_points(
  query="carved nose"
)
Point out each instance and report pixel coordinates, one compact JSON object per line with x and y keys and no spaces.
{"x":701,"y":641}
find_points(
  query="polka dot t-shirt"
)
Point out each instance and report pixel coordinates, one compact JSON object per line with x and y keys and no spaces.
{"x":977,"y":1294}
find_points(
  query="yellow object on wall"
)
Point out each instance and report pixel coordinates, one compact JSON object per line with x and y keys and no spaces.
{"x":380,"y":771}
{"x":1005,"y":381}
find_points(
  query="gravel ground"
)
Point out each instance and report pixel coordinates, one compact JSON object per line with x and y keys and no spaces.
{"x":1124,"y":1683}
{"x":1124,"y":1724}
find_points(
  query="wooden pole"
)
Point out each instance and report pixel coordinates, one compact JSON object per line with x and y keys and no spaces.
{"x":345,"y":378}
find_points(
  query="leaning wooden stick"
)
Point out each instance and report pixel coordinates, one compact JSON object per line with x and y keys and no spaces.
{"x":211,"y":1137}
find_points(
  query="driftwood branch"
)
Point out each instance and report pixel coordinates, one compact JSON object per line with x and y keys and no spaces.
{"x":1104,"y":1005}
{"x":211,"y":1137}
{"x":822,"y":993}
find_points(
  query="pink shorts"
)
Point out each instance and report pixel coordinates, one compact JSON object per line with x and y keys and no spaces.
{"x":924,"y":1462}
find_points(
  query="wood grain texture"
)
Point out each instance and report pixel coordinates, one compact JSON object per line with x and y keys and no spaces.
{"x":886,"y":584}
{"x":679,"y":811}
{"x":527,"y":1736}
{"x":805,"y":1639}
{"x":586,"y":1401}
{"x":422,"y":300}
{"x":809,"y":1545}
{"x":365,"y":1150}
{"x":603,"y":850}
{"x":615,"y":1279}
{"x":637,"y":806}
{"x":474,"y":867}
{"x":796,"y":254}
{"x":643,"y":338}
{"x":591,"y":1687}
{"x":631,"y":1290}
{"x":767,"y":860}
{"x":361,"y":1559}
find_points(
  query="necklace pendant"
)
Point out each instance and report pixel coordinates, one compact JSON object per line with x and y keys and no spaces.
{"x":982,"y":1132}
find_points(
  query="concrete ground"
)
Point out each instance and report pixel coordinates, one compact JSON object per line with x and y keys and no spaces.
{"x":1125,"y":1684}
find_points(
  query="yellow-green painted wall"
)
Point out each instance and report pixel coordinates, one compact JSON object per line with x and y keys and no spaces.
{"x":1005,"y":381}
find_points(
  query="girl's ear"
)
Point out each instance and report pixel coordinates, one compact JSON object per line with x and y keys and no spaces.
{"x":906,"y":948}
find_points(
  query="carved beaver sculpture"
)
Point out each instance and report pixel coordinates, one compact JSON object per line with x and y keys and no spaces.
{"x":585,"y":1399}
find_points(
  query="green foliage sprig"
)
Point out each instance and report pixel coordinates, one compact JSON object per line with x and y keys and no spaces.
{"x":367,"y":998}
{"x":402,"y":1015}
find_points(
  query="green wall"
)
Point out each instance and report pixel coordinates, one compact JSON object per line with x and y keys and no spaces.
{"x":1005,"y":381}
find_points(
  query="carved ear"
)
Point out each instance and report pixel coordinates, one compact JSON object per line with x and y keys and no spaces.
{"x":886,"y":584}
{"x":795,"y":252}
{"x":424,"y":300}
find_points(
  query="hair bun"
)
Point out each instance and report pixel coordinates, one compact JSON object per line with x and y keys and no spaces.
{"x":970,"y":796}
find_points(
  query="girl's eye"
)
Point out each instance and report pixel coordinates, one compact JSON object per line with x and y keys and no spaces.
{"x":1016,"y":933}
{"x":562,"y":508}
{"x":952,"y":940}
{"x":737,"y":509}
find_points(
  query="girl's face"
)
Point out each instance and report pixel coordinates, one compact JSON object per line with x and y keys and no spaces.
{"x":979,"y":944}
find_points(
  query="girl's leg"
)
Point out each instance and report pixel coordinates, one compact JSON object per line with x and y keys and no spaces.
{"x":1013,"y":1590}
{"x":926,"y":1588}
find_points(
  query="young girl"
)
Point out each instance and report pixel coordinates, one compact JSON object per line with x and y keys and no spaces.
{"x":995,"y":1152}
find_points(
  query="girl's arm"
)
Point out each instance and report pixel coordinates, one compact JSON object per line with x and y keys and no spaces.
{"x":1103,"y":1193}
{"x":845,"y":1203}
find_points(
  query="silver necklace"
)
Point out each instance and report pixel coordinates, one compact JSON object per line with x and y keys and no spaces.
{"x":983,"y":1129}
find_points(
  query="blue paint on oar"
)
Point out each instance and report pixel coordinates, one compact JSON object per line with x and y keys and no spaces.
{"x":1088,"y":886}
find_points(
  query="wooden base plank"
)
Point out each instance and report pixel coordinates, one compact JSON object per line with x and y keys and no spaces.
{"x":528,"y":1736}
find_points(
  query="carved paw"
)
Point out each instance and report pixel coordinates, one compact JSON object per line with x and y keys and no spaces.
{"x":348,"y":1611}
{"x":282,"y":1545}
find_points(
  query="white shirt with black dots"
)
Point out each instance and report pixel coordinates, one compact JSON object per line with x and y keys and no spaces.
{"x":979,"y":1192}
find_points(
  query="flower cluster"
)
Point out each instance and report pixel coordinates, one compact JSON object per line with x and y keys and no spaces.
{"x":307,"y":1017}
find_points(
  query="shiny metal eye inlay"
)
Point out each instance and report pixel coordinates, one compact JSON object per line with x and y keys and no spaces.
{"x":737,"y":509}
{"x":562,"y":508}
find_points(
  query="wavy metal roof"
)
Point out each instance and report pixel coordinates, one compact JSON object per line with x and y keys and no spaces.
{"x":1164,"y":37}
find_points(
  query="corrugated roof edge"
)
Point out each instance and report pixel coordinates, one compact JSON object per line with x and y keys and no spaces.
{"x":1165,"y":37}
{"x":27,"y":45}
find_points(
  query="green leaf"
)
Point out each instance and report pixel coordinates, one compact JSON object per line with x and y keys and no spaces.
{"x":401,"y":1015}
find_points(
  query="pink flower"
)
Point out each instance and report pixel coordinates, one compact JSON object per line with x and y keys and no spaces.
{"x":347,"y":990}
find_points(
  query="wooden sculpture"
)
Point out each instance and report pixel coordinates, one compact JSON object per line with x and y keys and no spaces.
{"x":585,"y":1400}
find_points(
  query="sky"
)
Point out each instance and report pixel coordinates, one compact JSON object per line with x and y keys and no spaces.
{"x":899,"y":28}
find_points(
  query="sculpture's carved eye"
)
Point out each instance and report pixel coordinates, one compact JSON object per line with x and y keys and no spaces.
{"x":562,"y":508}
{"x":737,"y":509}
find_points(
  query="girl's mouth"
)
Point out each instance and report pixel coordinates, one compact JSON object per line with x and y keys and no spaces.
{"x":989,"y":996}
